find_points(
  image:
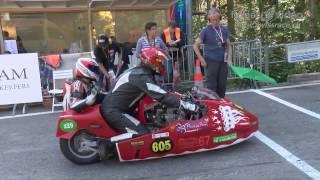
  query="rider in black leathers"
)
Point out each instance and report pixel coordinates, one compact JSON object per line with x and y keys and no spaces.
{"x":132,"y":86}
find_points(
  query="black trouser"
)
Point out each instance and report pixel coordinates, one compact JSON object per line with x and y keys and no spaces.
{"x":123,"y":122}
{"x":217,"y":73}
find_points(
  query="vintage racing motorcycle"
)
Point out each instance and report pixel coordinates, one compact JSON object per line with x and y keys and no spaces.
{"x":219,"y":124}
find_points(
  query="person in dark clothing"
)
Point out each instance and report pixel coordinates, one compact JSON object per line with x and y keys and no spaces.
{"x":132,"y":86}
{"x":126,"y":51}
{"x":217,"y":52}
{"x":101,"y":53}
{"x":6,"y":35}
{"x":20,"y":46}
{"x":114,"y":48}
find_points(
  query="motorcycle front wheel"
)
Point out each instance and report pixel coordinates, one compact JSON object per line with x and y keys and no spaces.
{"x":82,"y":148}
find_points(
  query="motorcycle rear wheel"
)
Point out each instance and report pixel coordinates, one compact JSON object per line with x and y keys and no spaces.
{"x":77,"y":150}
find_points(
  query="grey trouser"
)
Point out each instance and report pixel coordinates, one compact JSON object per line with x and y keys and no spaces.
{"x":216,"y":77}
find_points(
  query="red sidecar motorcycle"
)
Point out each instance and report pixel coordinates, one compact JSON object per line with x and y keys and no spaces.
{"x":173,"y":132}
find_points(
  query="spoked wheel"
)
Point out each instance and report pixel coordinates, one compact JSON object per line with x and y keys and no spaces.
{"x":82,"y":148}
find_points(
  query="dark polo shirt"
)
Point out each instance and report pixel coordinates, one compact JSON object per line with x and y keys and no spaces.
{"x":214,"y":47}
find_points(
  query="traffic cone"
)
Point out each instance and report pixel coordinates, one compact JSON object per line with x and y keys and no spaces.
{"x":198,"y":78}
{"x":176,"y":73}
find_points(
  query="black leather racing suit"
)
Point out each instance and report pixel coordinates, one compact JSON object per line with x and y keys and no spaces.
{"x":130,"y":88}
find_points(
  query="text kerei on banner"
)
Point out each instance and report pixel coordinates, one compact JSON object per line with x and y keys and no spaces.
{"x":19,"y":79}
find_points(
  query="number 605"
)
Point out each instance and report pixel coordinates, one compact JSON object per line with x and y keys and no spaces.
{"x":161,"y":146}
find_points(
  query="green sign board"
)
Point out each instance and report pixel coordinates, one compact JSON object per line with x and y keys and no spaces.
{"x":225,"y":138}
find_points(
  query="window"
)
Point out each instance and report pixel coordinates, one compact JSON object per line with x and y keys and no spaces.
{"x":127,"y":26}
{"x":49,"y":32}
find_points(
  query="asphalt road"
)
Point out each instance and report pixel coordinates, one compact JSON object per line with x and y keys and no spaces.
{"x":30,"y":150}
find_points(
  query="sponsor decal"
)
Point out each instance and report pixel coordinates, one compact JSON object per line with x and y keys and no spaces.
{"x":161,"y":145}
{"x":225,"y":138}
{"x":68,"y":125}
{"x":137,"y":143}
{"x":231,"y":117}
{"x":190,"y":127}
{"x":160,"y":135}
{"x":193,"y":142}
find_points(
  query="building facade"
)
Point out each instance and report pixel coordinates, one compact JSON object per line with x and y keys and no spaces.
{"x":72,"y":26}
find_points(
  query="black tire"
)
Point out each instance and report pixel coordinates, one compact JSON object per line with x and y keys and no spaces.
{"x":69,"y":149}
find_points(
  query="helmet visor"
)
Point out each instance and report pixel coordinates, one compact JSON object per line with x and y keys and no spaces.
{"x":94,"y":69}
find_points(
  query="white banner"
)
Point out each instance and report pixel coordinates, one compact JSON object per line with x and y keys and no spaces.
{"x":19,"y":79}
{"x":305,"y":51}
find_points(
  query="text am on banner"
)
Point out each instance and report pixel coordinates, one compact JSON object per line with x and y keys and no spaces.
{"x":19,"y":79}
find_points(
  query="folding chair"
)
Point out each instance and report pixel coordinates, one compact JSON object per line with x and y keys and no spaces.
{"x":58,"y":90}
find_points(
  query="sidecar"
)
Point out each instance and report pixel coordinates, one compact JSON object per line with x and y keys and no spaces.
{"x":223,"y":124}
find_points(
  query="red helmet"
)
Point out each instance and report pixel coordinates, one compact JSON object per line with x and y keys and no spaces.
{"x":154,"y":58}
{"x":87,"y":68}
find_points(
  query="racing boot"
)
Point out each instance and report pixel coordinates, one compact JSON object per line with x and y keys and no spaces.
{"x":106,"y":150}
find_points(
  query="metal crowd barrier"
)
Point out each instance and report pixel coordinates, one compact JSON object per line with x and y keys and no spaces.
{"x":244,"y":54}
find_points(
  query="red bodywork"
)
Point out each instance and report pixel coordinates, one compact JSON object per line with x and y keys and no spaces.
{"x":223,"y":125}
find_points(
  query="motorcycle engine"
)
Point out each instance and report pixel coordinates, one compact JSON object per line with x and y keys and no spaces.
{"x":155,"y":114}
{"x":158,"y":116}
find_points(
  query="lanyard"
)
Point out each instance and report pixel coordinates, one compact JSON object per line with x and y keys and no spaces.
{"x":219,"y":35}
{"x":154,"y":42}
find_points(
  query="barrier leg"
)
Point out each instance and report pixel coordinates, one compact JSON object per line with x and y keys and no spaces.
{"x":14,"y":109}
{"x":24,"y":108}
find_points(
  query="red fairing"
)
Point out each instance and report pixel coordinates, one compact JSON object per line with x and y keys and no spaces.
{"x":224,"y":125}
{"x":90,"y":119}
{"x":142,"y":106}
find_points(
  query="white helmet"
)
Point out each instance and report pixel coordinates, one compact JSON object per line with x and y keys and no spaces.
{"x":85,"y":67}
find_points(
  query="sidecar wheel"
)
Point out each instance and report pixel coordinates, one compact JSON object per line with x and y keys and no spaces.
{"x":82,"y":148}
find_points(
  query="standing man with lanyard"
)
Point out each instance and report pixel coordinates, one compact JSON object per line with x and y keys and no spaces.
{"x":217,"y":52}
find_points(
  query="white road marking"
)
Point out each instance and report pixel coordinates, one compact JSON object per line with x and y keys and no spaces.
{"x":31,"y":114}
{"x":275,"y":88}
{"x":291,"y":86}
{"x":297,"y":162}
{"x":294,"y":160}
{"x":238,"y":92}
{"x":286,"y":103}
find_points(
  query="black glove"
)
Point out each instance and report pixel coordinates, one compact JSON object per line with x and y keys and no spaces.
{"x":189,"y":106}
